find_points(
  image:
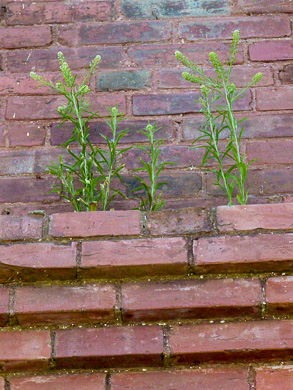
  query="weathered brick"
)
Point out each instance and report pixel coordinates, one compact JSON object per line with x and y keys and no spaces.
{"x":176,"y":103}
{"x":231,"y":342}
{"x":286,"y":75}
{"x":60,"y":382}
{"x":58,"y":12}
{"x":99,"y":223}
{"x":32,"y":36}
{"x":190,"y":299}
{"x":163,"y":54}
{"x":270,"y":99}
{"x":255,"y":126}
{"x":264,"y":6}
{"x":182,"y":221}
{"x":2,"y":383}
{"x":256,"y":27}
{"x":205,"y":378}
{"x":266,"y":216}
{"x":4,"y":308}
{"x":45,"y":60}
{"x":167,"y":9}
{"x":165,"y":131}
{"x":271,"y":50}
{"x":271,"y":152}
{"x":22,"y":134}
{"x":37,"y":262}
{"x":20,"y":228}
{"x":271,"y":181}
{"x":129,"y":346}
{"x":240,"y":75}
{"x":133,"y":257}
{"x":279,"y":294}
{"x":17,"y":162}
{"x":29,"y":350}
{"x":261,"y":253}
{"x":181,"y":156}
{"x":62,"y":304}
{"x":271,"y":378}
{"x":110,"y":33}
{"x":23,"y":189}
{"x":178,"y":184}
{"x":123,"y":80}
{"x":43,"y":107}
{"x":43,"y":158}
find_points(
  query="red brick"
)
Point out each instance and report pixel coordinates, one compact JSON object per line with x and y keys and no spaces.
{"x":266,"y":216}
{"x":26,"y":190}
{"x":60,"y":382}
{"x":4,"y":307}
{"x":62,"y":304}
{"x":271,"y":50}
{"x":24,"y":85}
{"x":241,"y":76}
{"x":20,"y":228}
{"x":99,"y":223}
{"x":57,"y":12}
{"x":90,"y":348}
{"x":183,"y":221}
{"x":181,"y":156}
{"x":271,"y":378}
{"x":261,"y":253}
{"x":209,"y":379}
{"x":41,"y":60}
{"x":274,"y":99}
{"x":110,"y":33}
{"x":231,"y":342}
{"x":279,"y":294}
{"x":176,"y":103}
{"x":255,"y":126}
{"x":22,"y":134}
{"x":26,"y":350}
{"x":165,"y":131}
{"x":32,"y":36}
{"x":265,"y":6}
{"x":2,"y":384}
{"x":134,"y":257}
{"x":163,"y":54}
{"x":20,"y":84}
{"x":43,"y":107}
{"x":37,"y":261}
{"x":271,"y":152}
{"x":190,"y":299}
{"x":250,"y":27}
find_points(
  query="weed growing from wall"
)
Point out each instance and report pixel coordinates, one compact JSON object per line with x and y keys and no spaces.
{"x":218,"y":96}
{"x":88,"y":181}
{"x":151,"y":185}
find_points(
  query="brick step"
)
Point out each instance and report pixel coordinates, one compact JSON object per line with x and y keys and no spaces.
{"x":212,"y":378}
{"x":146,"y":346}
{"x":136,"y":302}
{"x":132,"y":258}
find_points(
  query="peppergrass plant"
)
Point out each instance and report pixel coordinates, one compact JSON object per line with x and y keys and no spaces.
{"x":88,"y":180}
{"x":153,"y":188}
{"x":218,"y":96}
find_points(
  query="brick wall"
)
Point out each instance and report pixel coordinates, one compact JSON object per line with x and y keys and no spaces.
{"x":139,"y":71}
{"x":104,"y":301}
